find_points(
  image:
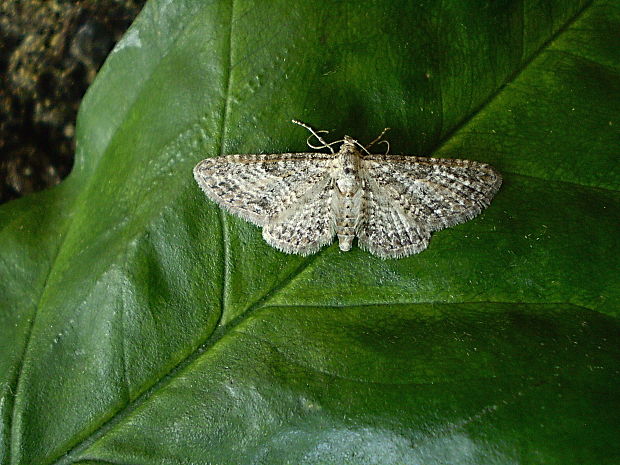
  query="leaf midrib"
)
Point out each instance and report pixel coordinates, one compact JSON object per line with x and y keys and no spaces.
{"x":514,"y":76}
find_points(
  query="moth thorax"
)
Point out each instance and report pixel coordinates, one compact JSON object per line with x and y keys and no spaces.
{"x":349,"y":158}
{"x":348,"y":172}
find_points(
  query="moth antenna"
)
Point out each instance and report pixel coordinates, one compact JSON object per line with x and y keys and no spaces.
{"x":315,"y":134}
{"x":336,"y":142}
{"x":388,"y":146}
{"x":361,"y":146}
{"x":317,"y":147}
{"x":378,"y":138}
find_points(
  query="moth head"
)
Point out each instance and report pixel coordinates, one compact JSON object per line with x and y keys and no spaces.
{"x":352,"y":146}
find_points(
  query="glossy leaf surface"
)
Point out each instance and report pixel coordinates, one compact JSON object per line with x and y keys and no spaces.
{"x":140,"y":324}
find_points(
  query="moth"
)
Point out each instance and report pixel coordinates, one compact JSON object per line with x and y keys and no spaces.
{"x":391,"y":203}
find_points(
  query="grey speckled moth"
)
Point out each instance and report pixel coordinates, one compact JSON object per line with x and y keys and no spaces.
{"x":391,"y":203}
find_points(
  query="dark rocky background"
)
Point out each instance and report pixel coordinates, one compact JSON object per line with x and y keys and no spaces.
{"x":50,"y":51}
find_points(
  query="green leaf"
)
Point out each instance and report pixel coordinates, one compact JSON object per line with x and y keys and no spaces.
{"x":140,"y":324}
